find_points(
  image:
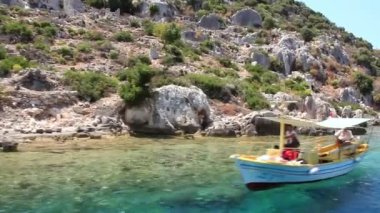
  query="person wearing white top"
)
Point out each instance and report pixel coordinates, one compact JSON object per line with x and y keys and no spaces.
{"x":344,"y":136}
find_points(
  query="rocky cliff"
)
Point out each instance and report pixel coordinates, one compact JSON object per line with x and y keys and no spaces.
{"x":163,"y":66}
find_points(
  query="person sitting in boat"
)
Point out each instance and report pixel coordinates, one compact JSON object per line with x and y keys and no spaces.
{"x":344,"y":137}
{"x":292,"y":143}
{"x":291,"y":137}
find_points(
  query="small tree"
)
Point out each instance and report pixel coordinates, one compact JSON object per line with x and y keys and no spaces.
{"x":363,"y":82}
{"x":307,"y":34}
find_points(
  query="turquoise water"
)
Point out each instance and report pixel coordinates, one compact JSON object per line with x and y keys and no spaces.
{"x":167,"y":175}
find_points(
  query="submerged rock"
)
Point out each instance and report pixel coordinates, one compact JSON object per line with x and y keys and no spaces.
{"x":170,"y":109}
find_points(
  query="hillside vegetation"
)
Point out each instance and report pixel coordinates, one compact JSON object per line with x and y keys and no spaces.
{"x":99,"y":53}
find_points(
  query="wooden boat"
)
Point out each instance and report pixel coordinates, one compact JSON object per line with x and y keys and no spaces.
{"x":318,"y":163}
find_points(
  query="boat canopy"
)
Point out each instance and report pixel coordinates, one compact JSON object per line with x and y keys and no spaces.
{"x":340,"y":123}
{"x":330,"y":123}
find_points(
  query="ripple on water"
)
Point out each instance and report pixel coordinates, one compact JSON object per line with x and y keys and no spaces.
{"x":168,"y":175}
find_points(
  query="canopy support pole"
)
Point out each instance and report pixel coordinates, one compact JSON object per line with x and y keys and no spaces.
{"x":282,"y":133}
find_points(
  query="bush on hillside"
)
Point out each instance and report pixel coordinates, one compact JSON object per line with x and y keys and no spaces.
{"x":140,"y":59}
{"x":14,"y":63}
{"x":252,"y":96}
{"x":137,"y":87}
{"x":307,"y":34}
{"x":46,"y":29}
{"x":363,"y":82}
{"x":123,"y":36}
{"x":211,"y":85}
{"x":91,"y":86}
{"x":3,"y":52}
{"x":169,"y":33}
{"x":19,"y":30}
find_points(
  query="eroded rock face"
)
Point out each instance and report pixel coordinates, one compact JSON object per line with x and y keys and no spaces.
{"x":285,"y":51}
{"x":247,"y":18}
{"x":261,"y":58}
{"x":339,"y":54}
{"x":349,"y":95}
{"x":165,"y":11}
{"x":35,"y":79}
{"x":211,"y":22}
{"x":71,"y":7}
{"x":171,"y":108}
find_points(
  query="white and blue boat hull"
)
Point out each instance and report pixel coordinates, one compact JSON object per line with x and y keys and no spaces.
{"x":258,"y":175}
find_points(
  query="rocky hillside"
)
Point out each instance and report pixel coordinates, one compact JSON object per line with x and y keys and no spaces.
{"x":161,"y":66}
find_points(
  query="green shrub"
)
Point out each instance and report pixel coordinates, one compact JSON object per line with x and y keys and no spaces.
{"x":222,"y":72}
{"x":41,"y":43}
{"x":307,"y":34}
{"x":252,"y":96}
{"x":154,"y":9}
{"x":269,"y":23}
{"x":210,"y":84}
{"x":135,"y":23}
{"x":299,"y":86}
{"x":84,"y":47}
{"x":104,"y":46}
{"x":45,"y":28}
{"x":66,"y":52}
{"x":148,"y":27}
{"x":114,"y":54}
{"x":3,"y":52}
{"x":137,"y":87}
{"x":94,"y":35}
{"x":207,"y":45}
{"x":97,"y":3}
{"x":18,"y":29}
{"x":174,"y":55}
{"x":123,"y":36}
{"x":140,"y":59}
{"x":363,"y":82}
{"x":169,"y":33}
{"x":226,"y":62}
{"x":13,"y":63}
{"x":91,"y":86}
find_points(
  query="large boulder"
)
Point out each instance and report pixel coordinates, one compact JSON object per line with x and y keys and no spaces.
{"x":20,"y":3}
{"x":196,"y":36}
{"x":165,"y":11}
{"x":36,"y":79}
{"x":211,"y":22}
{"x":170,"y":109}
{"x":247,"y":18}
{"x":71,"y":7}
{"x":285,"y":50}
{"x":46,"y":4}
{"x":261,"y":58}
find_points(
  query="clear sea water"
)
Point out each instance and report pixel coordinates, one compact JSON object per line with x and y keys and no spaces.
{"x":128,"y":174}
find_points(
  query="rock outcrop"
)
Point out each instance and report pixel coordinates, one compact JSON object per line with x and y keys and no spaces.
{"x":247,"y":18}
{"x":349,"y":95}
{"x":170,"y":109}
{"x":285,"y":50}
{"x":165,"y":11}
{"x":212,"y":22}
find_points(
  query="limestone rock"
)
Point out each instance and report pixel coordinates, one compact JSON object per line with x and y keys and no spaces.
{"x":349,"y":95}
{"x":170,"y":109}
{"x":211,"y":22}
{"x":247,"y":18}
{"x":285,"y":51}
{"x":165,"y":11}
{"x":72,"y":7}
{"x":261,"y":58}
{"x":339,"y":54}
{"x":194,"y":36}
